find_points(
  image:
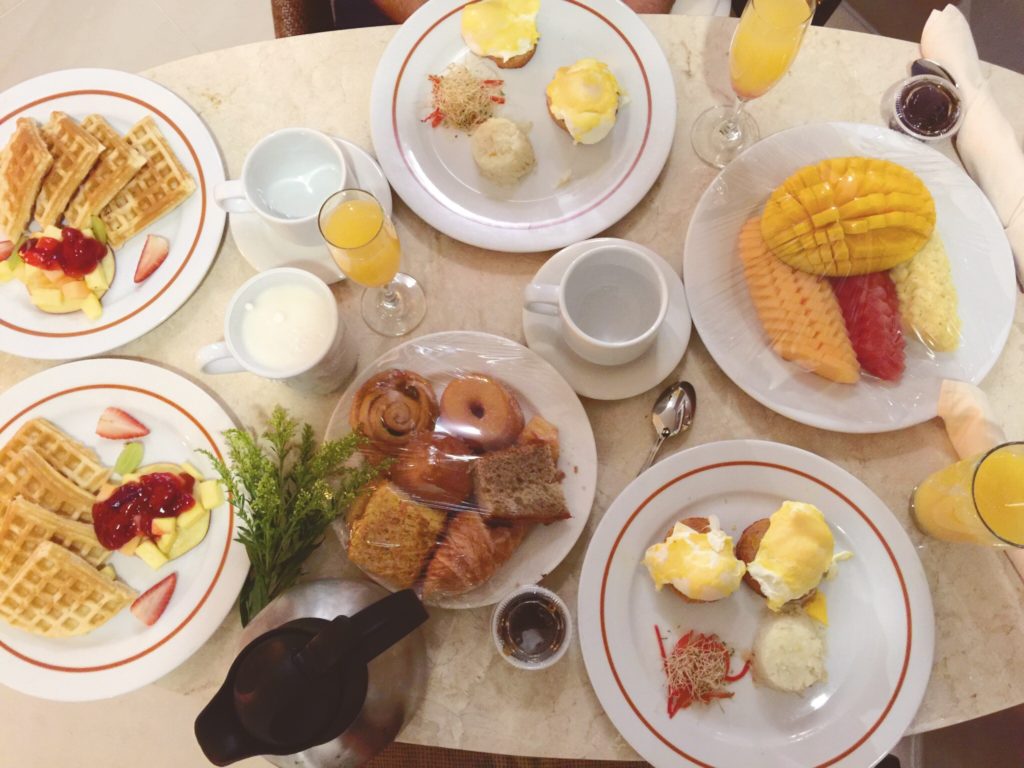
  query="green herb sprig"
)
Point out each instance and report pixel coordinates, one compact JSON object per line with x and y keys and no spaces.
{"x":286,"y":492}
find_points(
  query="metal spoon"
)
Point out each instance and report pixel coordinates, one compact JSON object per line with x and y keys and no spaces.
{"x":930,"y":67}
{"x":672,"y":413}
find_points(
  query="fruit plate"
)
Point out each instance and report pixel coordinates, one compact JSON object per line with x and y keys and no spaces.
{"x":541,"y":390}
{"x":575,"y":191}
{"x":724,"y":314}
{"x":124,"y":654}
{"x":880,"y":636}
{"x":194,"y":229}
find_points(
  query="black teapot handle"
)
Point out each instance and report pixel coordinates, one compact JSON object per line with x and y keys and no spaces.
{"x":387,"y":621}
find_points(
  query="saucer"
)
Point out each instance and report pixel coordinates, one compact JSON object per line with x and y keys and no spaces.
{"x":607,"y":382}
{"x":264,"y":249}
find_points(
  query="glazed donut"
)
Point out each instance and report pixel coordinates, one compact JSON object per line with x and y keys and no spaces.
{"x":391,"y":407}
{"x":435,"y":468}
{"x":482,"y":411}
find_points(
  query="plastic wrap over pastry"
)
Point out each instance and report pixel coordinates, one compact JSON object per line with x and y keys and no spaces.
{"x":474,"y":465}
{"x":840,"y":273}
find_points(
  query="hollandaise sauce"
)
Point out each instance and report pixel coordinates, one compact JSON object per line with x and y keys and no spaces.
{"x":978,"y":500}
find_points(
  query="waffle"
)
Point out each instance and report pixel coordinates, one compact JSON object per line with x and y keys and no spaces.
{"x":23,"y":164}
{"x":162,"y":185}
{"x":28,"y":474}
{"x":117,"y":165}
{"x":74,"y":152}
{"x":69,"y":457}
{"x":58,"y":594}
{"x":25,"y":524}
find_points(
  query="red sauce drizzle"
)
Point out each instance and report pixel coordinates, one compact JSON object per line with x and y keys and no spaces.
{"x":75,"y":254}
{"x":132,"y":507}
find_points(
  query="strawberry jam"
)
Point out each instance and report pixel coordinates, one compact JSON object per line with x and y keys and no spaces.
{"x":74,"y":254}
{"x":132,"y":507}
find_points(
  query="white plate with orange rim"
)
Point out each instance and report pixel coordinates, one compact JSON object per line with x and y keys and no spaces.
{"x":727,"y":322}
{"x":575,"y":191}
{"x":194,"y":229}
{"x":124,"y":654}
{"x":880,"y":636}
{"x":439,"y":358}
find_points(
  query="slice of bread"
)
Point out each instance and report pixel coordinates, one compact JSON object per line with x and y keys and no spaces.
{"x":392,"y":537}
{"x":516,"y":62}
{"x":520,"y":483}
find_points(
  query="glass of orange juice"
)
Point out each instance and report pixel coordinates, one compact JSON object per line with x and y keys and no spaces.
{"x":764,"y":45}
{"x":978,"y":500}
{"x":363,"y":242}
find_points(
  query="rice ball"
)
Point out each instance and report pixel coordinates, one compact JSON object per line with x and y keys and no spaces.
{"x":789,"y":652}
{"x":502,"y":151}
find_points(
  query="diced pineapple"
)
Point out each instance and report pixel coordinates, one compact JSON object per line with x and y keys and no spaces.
{"x":162,"y":525}
{"x":189,"y":517}
{"x":151,"y":554}
{"x":91,"y":307}
{"x":189,"y":537}
{"x":186,"y":467}
{"x":165,"y":542}
{"x":75,"y":289}
{"x":97,"y":280}
{"x":48,"y":299}
{"x":6,"y":273}
{"x":798,"y":311}
{"x":848,"y":216}
{"x":129,"y":548}
{"x":928,"y":300}
{"x":52,"y":231}
{"x":210,"y":494}
{"x":109,"y":572}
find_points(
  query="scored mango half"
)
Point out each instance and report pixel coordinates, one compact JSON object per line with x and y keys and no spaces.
{"x":848,"y":216}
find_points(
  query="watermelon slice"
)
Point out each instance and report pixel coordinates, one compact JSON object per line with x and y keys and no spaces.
{"x":871,"y":310}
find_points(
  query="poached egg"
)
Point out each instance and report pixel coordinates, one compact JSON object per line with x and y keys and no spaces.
{"x":585,"y":96}
{"x":501,"y":29}
{"x":702,"y":566}
{"x":795,"y":554}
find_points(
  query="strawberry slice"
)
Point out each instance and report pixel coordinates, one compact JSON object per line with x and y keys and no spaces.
{"x":149,"y":606}
{"x":871,"y":309}
{"x":153,"y":254}
{"x":115,"y":424}
{"x":6,"y":249}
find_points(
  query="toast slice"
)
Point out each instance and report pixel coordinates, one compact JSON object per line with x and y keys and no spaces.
{"x":520,"y":483}
{"x":116,"y":166}
{"x":74,"y":151}
{"x":24,"y":162}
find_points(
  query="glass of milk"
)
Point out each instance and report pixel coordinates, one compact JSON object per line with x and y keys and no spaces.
{"x":284,"y":324}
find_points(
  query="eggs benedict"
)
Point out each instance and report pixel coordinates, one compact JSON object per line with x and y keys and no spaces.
{"x":504,"y":31}
{"x":697,"y":560}
{"x":787,"y":555}
{"x":584,"y":100}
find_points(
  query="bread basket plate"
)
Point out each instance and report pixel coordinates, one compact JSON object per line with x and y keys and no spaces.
{"x":439,"y":358}
{"x":125,"y":654}
{"x":193,"y":229}
{"x":880,"y":636}
{"x":575,"y":191}
{"x":727,"y":322}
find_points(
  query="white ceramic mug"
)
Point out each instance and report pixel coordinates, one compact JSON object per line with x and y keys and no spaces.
{"x":285,"y":179}
{"x":611,"y":301}
{"x":284,"y":324}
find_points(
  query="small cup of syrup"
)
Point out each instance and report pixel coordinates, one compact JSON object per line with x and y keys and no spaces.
{"x":532,"y":628}
{"x":925,"y":107}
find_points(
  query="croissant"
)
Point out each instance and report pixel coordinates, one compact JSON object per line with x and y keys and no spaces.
{"x":471,"y":553}
{"x":393,"y":406}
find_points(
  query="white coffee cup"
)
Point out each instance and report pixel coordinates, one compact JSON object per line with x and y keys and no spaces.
{"x":285,"y":179}
{"x":284,"y":324}
{"x":611,"y":302}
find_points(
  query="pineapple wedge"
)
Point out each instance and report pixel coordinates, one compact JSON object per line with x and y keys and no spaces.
{"x":928,"y":300}
{"x":798,"y":311}
{"x":848,"y":216}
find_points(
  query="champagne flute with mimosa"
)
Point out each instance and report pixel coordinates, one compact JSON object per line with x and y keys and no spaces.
{"x":764,"y":45}
{"x":363,"y":242}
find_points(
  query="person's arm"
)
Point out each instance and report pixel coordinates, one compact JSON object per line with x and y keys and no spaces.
{"x":398,"y":10}
{"x":650,"y":6}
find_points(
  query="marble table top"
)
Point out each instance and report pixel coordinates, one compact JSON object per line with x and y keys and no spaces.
{"x":323,"y":81}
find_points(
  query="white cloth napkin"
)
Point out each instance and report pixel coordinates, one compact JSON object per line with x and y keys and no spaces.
{"x":973,"y":428}
{"x":987,"y":143}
